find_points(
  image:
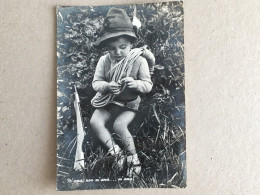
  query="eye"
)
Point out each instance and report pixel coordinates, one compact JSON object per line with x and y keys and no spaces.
{"x":110,"y":48}
{"x":122,"y":46}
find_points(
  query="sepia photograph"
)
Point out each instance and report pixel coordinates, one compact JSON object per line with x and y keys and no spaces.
{"x":121,"y":96}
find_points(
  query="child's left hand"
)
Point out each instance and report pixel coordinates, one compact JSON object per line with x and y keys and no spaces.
{"x":130,"y":82}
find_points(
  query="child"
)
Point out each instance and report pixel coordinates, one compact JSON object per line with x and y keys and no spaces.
{"x":120,"y":76}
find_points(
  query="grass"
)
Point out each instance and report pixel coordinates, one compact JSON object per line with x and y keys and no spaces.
{"x":160,"y":143}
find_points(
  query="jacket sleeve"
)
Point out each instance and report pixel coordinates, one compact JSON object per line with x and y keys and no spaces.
{"x":99,"y":83}
{"x":144,"y":83}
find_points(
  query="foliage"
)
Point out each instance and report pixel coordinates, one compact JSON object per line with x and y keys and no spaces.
{"x":159,"y":128}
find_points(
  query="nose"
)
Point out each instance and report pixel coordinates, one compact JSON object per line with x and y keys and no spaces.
{"x":117,"y":51}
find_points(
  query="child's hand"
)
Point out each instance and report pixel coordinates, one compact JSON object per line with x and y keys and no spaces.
{"x":114,"y":87}
{"x":130,"y":82}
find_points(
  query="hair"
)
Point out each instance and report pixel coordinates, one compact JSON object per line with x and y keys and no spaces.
{"x":113,"y":39}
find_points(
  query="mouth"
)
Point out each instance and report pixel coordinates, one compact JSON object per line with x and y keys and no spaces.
{"x":118,"y":57}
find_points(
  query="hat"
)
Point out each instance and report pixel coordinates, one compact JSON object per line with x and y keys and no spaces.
{"x":116,"y":23}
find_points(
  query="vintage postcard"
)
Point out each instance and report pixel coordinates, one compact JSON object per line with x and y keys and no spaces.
{"x":120,"y":97}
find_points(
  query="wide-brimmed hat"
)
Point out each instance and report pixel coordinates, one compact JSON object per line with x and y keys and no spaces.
{"x":116,"y":23}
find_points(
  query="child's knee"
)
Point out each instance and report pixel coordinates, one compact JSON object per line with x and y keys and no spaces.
{"x":94,"y":123}
{"x":119,"y":127}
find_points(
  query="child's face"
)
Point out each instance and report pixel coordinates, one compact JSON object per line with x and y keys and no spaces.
{"x":119,"y":49}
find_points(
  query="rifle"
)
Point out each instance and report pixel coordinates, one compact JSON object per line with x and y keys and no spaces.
{"x":79,"y":156}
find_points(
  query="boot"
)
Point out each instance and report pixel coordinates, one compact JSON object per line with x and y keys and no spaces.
{"x":133,"y":165}
{"x":118,"y":154}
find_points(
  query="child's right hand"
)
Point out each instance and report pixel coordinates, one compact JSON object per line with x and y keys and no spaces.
{"x":114,"y":87}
